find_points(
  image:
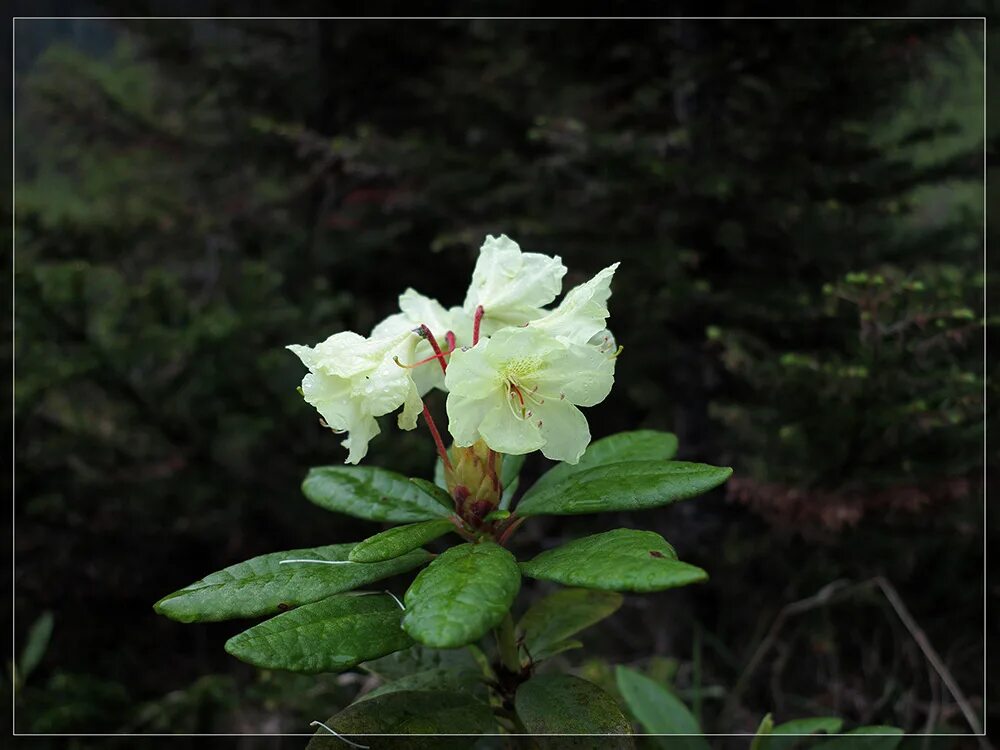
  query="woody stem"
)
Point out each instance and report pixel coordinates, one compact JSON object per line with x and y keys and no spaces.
{"x":476,"y":322}
{"x":439,"y":444}
{"x":424,"y":332}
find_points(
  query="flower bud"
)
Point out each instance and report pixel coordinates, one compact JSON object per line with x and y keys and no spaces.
{"x":474,"y":479}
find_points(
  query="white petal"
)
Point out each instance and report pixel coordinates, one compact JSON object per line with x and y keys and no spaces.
{"x":461,"y":326}
{"x":506,"y":433}
{"x":520,"y":343}
{"x":604,"y":341}
{"x":361,"y":431}
{"x":466,"y":414}
{"x":471,"y":374}
{"x":383,"y":389}
{"x":345,"y":354}
{"x":564,"y":429}
{"x":426,"y":311}
{"x":579,"y":373}
{"x":412,"y":407}
{"x":512,"y":286}
{"x":393,"y":326}
{"x":331,"y":397}
{"x":583,"y":311}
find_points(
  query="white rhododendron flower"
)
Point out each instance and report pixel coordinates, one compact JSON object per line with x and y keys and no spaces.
{"x":417,"y":310}
{"x":512,"y":287}
{"x":352,"y":380}
{"x":519,"y":391}
{"x":582,"y":314}
{"x":515,"y":371}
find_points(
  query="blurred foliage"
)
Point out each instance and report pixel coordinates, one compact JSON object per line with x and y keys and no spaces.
{"x":798,"y":210}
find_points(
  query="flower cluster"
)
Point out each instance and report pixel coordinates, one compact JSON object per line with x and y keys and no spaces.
{"x":515,"y":372}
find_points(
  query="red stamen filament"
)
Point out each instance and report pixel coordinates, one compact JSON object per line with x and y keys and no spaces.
{"x":438,"y":443}
{"x":476,"y":321}
{"x":424,"y":332}
{"x":512,"y":525}
{"x":520,"y":396}
{"x":425,"y":360}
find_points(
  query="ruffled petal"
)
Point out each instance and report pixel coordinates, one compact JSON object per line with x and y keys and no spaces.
{"x":583,"y":311}
{"x":512,"y":286}
{"x":412,"y":407}
{"x":363,"y":428}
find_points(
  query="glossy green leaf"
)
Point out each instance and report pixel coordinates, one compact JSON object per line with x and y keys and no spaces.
{"x":508,"y":493}
{"x":264,"y":585}
{"x":564,"y":613}
{"x":564,"y":704}
{"x":463,"y":593}
{"x":636,"y":445}
{"x":555,"y":649}
{"x":628,"y":485}
{"x":397,"y":541}
{"x":408,"y":712}
{"x":619,"y":560}
{"x":330,"y":635}
{"x":439,"y":495}
{"x":783,"y":736}
{"x":370,"y":493}
{"x":468,"y":681}
{"x":658,"y":710}
{"x":864,"y":738}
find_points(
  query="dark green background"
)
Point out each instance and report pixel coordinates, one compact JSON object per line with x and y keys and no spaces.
{"x":798,"y":209}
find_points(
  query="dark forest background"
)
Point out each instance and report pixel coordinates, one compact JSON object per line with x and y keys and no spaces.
{"x":798,"y":208}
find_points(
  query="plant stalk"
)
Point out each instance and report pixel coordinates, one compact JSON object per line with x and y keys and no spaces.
{"x":507,"y":645}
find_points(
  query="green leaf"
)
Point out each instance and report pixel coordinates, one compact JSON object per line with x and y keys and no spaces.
{"x":637,"y":445}
{"x":559,"y":615}
{"x":439,"y":477}
{"x":326,"y":636}
{"x":782,"y":737}
{"x":564,"y":704}
{"x":409,"y":712}
{"x":397,"y":541}
{"x":440,"y":496}
{"x":658,"y":710}
{"x":36,"y":645}
{"x":555,"y":649}
{"x":419,"y":658}
{"x":864,"y":738}
{"x":461,"y":594}
{"x":370,"y":493}
{"x":510,"y":470}
{"x":264,"y":586}
{"x":619,"y":560}
{"x":468,"y":682}
{"x":628,"y":485}
{"x":765,"y":728}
